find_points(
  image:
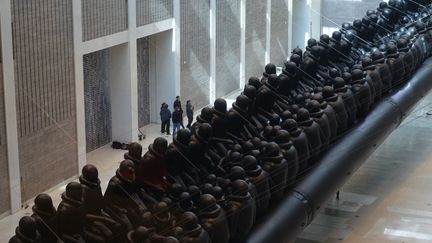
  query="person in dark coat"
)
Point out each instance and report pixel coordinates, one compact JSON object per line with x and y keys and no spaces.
{"x":165,"y":115}
{"x":176,"y":119}
{"x":189,"y":112}
{"x":177,"y":103}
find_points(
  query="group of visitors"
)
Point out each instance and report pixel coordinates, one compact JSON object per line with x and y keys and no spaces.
{"x":176,"y":116}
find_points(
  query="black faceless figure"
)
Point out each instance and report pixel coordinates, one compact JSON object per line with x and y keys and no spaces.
{"x":241,"y":211}
{"x":213,"y":219}
{"x":372,"y":76}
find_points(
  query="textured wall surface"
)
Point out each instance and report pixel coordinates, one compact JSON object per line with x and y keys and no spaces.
{"x":103,"y":17}
{"x":227,"y":46}
{"x":4,"y":176}
{"x":45,"y":95}
{"x":97,"y":99}
{"x":150,"y":11}
{"x":143,"y":82}
{"x":43,"y":63}
{"x":195,"y":51}
{"x":255,"y":38}
{"x":279,"y":32}
{"x":336,"y":12}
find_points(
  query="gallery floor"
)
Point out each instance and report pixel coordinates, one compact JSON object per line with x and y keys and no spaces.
{"x":388,"y":199}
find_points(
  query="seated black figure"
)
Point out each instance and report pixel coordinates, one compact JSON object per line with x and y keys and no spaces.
{"x":44,"y":215}
{"x":123,"y":194}
{"x":362,"y":93}
{"x":372,"y":75}
{"x":277,"y":168}
{"x":300,"y":142}
{"x":95,"y":204}
{"x":396,"y":65}
{"x":192,"y":231}
{"x":384,"y":70}
{"x":321,"y":119}
{"x":213,"y":219}
{"x":270,"y":68}
{"x":180,"y":167}
{"x":407,"y":56}
{"x":71,"y":222}
{"x":289,"y":152}
{"x":336,"y":102}
{"x":161,"y":219}
{"x":312,"y":131}
{"x":206,"y":116}
{"x":348,"y":98}
{"x":241,"y":211}
{"x":151,"y":170}
{"x":260,"y":179}
{"x":238,"y":173}
{"x":331,"y":114}
{"x":134,"y":153}
{"x":26,"y":231}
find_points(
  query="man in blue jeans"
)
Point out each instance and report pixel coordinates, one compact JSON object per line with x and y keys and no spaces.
{"x":176,"y":119}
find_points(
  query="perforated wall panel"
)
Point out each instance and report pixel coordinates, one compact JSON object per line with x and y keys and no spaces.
{"x":195,"y":51}
{"x":97,"y":96}
{"x":227,"y":46}
{"x":150,"y":11}
{"x":143,"y":82}
{"x":45,"y":93}
{"x":4,"y":175}
{"x":279,"y":32}
{"x":255,"y":38}
{"x":103,"y":17}
{"x":335,"y":12}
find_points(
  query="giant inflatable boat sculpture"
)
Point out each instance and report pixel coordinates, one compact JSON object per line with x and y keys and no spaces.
{"x":288,"y":142}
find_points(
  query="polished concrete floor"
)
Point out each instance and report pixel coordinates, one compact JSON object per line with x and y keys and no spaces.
{"x":387,"y":200}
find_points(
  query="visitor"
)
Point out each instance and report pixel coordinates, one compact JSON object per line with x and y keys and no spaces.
{"x":176,"y":119}
{"x":189,"y":113}
{"x":165,"y":115}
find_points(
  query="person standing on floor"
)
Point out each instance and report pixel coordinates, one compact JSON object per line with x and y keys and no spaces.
{"x":176,"y":119}
{"x":189,"y":112}
{"x":165,"y":115}
{"x":177,"y":103}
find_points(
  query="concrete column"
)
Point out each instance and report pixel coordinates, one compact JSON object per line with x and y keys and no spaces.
{"x":132,"y":135}
{"x":212,"y":82}
{"x":268,"y":32}
{"x":242,"y":42}
{"x":10,"y":106}
{"x":301,"y":24}
{"x":315,"y":18}
{"x":290,"y":24}
{"x":79,"y":84}
{"x":123,"y":94}
{"x":176,"y":45}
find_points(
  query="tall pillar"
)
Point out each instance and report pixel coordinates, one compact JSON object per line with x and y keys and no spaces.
{"x":79,"y":83}
{"x":10,"y":106}
{"x":212,"y":85}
